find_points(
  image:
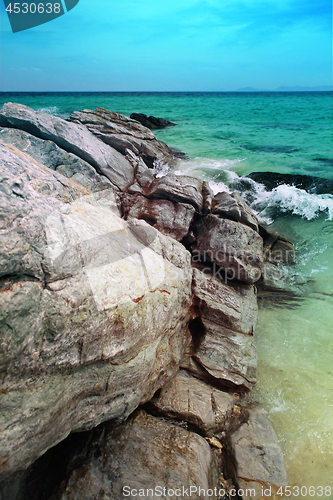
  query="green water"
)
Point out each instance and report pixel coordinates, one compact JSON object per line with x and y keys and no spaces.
{"x":227,"y":135}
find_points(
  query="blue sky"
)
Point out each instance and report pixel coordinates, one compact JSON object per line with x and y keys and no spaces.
{"x":175,"y":45}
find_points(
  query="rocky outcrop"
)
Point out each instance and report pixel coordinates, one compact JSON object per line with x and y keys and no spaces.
{"x":151,"y":122}
{"x":94,"y":309}
{"x":235,"y":248}
{"x":257,"y":457}
{"x":143,"y":454}
{"x":73,"y":138}
{"x":123,"y":133}
{"x":55,"y":158}
{"x":100,"y":307}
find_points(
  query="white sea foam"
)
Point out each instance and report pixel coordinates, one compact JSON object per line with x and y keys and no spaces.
{"x":51,"y":110}
{"x":291,"y":199}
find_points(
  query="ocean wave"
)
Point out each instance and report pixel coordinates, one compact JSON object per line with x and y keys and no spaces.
{"x":51,"y":110}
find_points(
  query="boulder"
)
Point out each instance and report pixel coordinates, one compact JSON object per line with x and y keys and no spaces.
{"x":172,"y":219}
{"x":123,"y":134}
{"x":151,"y":122}
{"x":94,"y":309}
{"x":73,"y":138}
{"x":55,"y":158}
{"x":228,"y":357}
{"x":277,"y":249}
{"x":236,"y":248}
{"x":233,"y":307}
{"x":232,"y":206}
{"x":189,"y":399}
{"x":144,"y":457}
{"x":180,"y":188}
{"x":258,"y":459}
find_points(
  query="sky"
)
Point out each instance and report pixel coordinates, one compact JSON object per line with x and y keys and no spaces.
{"x":171,"y":45}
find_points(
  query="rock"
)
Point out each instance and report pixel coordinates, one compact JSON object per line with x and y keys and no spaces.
{"x":234,"y":307}
{"x":123,"y":134}
{"x":277,"y":249}
{"x":272,"y":277}
{"x":55,"y":158}
{"x":172,"y":219}
{"x":236,"y":248}
{"x":94,"y":310}
{"x":233,"y":207}
{"x":189,"y":399}
{"x":141,"y":458}
{"x":229,"y":357}
{"x":258,"y":458}
{"x":73,"y":138}
{"x":180,"y":188}
{"x":151,"y":121}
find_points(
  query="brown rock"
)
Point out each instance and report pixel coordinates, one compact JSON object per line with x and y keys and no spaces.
{"x":234,"y":247}
{"x":232,"y":206}
{"x":258,"y":458}
{"x":151,"y":122}
{"x":187,"y":398}
{"x":143,"y":454}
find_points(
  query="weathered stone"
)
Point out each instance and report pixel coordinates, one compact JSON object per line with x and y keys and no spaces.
{"x":71,"y":137}
{"x":151,"y":122}
{"x":172,"y":219}
{"x":236,"y":248}
{"x":187,"y":398}
{"x":233,"y":207}
{"x":123,"y":134}
{"x":180,"y":188}
{"x":234,"y":307}
{"x":277,"y":249}
{"x":258,"y":458}
{"x":55,"y":158}
{"x":229,"y":357}
{"x":93,"y":309}
{"x":143,"y":454}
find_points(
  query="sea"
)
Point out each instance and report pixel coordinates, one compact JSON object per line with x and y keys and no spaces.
{"x":276,"y":150}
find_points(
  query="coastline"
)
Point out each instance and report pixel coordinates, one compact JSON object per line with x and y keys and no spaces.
{"x":214,"y":331}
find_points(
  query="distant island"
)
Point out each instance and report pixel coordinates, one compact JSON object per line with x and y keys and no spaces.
{"x":320,"y":88}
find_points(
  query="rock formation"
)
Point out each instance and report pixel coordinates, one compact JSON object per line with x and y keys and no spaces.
{"x":111,"y":299}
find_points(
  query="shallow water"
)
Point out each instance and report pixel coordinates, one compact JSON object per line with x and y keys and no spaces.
{"x":228,"y":135}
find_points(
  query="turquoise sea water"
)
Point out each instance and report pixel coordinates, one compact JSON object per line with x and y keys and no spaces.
{"x":227,"y":136}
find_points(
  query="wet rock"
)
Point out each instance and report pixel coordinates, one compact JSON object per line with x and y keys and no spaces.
{"x":55,"y":158}
{"x":228,"y":357}
{"x":234,"y":247}
{"x":189,"y":399}
{"x":94,"y":310}
{"x":151,"y":122}
{"x":143,"y":454}
{"x":277,"y":249}
{"x":123,"y":133}
{"x":73,"y":138}
{"x":232,"y":206}
{"x":258,"y":459}
{"x":234,"y":307}
{"x":172,"y":219}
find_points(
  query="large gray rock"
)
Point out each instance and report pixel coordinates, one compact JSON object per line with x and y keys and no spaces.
{"x":123,"y":133}
{"x":229,"y":357}
{"x":144,"y":454}
{"x":234,"y":307}
{"x":234,"y":247}
{"x":258,"y":459}
{"x":71,"y":137}
{"x":189,"y":399}
{"x":55,"y":158}
{"x":172,"y":219}
{"x":93,"y":309}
